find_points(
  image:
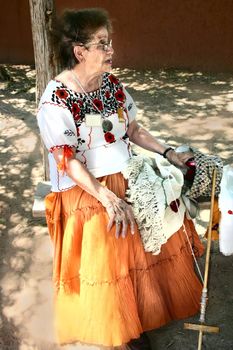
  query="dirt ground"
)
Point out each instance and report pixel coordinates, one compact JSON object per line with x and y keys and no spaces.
{"x":178,"y":107}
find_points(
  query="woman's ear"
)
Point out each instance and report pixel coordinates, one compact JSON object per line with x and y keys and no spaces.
{"x":78,"y":52}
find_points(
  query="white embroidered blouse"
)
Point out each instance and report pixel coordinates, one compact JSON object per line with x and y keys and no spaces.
{"x":62,"y":119}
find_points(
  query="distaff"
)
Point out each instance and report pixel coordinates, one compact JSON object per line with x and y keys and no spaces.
{"x":202,"y":327}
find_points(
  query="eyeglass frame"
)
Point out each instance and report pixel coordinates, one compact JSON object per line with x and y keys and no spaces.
{"x":103,"y":46}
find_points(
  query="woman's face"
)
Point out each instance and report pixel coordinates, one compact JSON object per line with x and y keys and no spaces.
{"x":98,"y":53}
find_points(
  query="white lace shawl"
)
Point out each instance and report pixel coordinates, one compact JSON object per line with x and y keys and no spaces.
{"x":150,"y":194}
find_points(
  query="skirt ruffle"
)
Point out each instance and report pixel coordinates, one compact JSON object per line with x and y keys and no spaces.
{"x":108,"y":290}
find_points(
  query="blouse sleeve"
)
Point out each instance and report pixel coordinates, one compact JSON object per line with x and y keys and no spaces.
{"x":130,"y":106}
{"x":56,"y":126}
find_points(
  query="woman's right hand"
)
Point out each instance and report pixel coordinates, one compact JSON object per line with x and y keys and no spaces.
{"x":120,"y":213}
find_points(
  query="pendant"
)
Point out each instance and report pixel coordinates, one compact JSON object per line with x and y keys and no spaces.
{"x":120,"y":115}
{"x":107,"y":125}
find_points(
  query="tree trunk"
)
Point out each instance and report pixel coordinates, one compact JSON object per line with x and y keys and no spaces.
{"x":42,"y":20}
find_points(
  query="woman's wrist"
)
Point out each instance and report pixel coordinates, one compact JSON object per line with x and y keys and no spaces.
{"x":167,"y":150}
{"x":105,"y":196}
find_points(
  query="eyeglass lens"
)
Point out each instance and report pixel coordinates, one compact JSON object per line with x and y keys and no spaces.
{"x":102,"y":46}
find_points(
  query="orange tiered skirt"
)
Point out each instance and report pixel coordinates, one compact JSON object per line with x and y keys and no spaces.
{"x":109,"y":290}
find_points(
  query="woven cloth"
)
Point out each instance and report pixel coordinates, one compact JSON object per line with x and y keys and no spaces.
{"x":205,"y":165}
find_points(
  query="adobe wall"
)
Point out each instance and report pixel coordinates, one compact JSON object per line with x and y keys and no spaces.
{"x":192,"y":34}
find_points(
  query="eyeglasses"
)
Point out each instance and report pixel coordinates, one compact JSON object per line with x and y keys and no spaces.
{"x":102,"y":46}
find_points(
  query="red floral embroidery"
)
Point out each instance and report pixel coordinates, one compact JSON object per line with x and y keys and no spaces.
{"x":174,"y":205}
{"x":78,"y":133}
{"x":230,"y":212}
{"x":62,"y":93}
{"x":75,"y":111}
{"x":98,"y":104}
{"x":79,"y":102}
{"x":113,"y":79}
{"x":120,"y":96}
{"x":107,"y":94}
{"x":109,"y":137}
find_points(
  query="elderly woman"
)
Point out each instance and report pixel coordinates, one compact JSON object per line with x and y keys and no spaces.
{"x":109,"y":291}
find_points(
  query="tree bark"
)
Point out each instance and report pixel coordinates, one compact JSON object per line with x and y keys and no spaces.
{"x":42,"y":20}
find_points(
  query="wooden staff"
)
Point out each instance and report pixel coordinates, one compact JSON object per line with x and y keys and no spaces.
{"x":202,"y":327}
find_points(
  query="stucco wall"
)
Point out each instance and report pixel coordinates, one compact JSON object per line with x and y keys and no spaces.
{"x":15,"y":32}
{"x":193,"y":34}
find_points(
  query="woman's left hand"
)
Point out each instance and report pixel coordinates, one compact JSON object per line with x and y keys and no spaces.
{"x":179,"y":158}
